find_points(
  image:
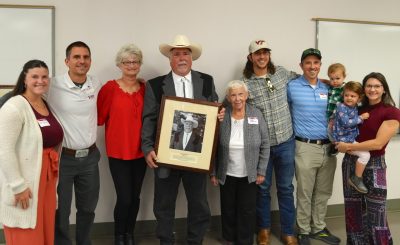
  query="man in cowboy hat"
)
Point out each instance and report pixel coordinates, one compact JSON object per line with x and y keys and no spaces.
{"x":182,"y":81}
{"x":187,"y":140}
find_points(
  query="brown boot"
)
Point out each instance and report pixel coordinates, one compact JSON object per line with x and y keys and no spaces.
{"x":289,"y":240}
{"x":263,"y":237}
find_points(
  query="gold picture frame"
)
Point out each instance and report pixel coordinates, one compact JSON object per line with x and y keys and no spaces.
{"x":199,"y":152}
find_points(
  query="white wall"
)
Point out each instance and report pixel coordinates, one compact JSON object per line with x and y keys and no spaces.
{"x":224,"y":28}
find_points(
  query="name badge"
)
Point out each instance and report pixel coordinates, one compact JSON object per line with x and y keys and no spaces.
{"x":252,"y":120}
{"x":323,"y":96}
{"x":43,"y":123}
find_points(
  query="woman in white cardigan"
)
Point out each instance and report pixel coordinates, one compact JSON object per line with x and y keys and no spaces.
{"x":29,"y":143}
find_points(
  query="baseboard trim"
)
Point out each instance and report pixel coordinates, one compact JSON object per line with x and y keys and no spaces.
{"x":147,"y":227}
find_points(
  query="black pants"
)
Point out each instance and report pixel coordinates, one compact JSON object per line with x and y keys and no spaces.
{"x":82,"y":176}
{"x":165,"y":193}
{"x":128,"y":177}
{"x":238,"y":210}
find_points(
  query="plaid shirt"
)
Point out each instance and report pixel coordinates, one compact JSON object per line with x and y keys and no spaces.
{"x":273,"y":105}
{"x":334,"y":96}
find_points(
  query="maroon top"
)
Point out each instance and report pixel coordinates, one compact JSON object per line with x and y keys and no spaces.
{"x":369,"y":128}
{"x":52,"y":132}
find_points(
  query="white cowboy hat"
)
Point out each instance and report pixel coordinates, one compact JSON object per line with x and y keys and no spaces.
{"x":190,"y":119}
{"x":181,"y":41}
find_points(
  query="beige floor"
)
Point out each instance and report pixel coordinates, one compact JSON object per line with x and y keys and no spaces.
{"x":335,"y":225}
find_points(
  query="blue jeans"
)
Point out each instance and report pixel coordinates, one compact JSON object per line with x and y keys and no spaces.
{"x":282,"y":162}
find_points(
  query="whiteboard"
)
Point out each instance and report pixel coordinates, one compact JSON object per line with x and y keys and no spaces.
{"x":26,"y":32}
{"x":362,"y":47}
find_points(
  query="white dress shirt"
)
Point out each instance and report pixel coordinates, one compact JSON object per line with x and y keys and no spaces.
{"x":186,"y":137}
{"x":179,"y":85}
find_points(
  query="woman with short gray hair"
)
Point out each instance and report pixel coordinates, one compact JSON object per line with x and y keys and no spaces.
{"x":241,"y":164}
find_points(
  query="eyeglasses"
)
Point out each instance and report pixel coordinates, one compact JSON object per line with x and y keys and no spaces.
{"x":375,"y":86}
{"x":126,"y":63}
{"x":270,"y":86}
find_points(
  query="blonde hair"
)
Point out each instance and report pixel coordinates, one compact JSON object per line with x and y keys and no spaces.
{"x":337,"y":67}
{"x":126,"y":51}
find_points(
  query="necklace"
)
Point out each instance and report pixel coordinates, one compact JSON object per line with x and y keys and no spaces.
{"x":128,"y":86}
{"x":38,"y":105}
{"x":238,"y":115}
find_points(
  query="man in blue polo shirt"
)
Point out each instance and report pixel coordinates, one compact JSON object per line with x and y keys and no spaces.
{"x":315,"y":167}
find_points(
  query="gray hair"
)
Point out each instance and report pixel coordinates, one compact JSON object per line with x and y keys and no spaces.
{"x":126,"y":51}
{"x":235,"y":84}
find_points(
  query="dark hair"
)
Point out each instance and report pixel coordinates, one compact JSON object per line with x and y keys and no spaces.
{"x":248,"y":70}
{"x":20,"y":86}
{"x":76,"y":44}
{"x":386,"y":97}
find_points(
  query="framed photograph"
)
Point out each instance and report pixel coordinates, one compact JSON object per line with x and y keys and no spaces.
{"x":5,"y":89}
{"x":187,"y":133}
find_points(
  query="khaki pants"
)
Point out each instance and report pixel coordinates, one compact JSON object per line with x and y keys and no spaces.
{"x":315,"y":170}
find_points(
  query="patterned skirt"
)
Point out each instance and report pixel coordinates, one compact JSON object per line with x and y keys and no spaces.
{"x":366,"y":221}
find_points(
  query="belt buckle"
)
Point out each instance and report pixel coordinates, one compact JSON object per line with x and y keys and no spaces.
{"x":81,"y":153}
{"x":319,"y":142}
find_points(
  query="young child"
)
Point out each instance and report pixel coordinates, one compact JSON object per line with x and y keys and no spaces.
{"x":336,"y":74}
{"x":345,"y":129}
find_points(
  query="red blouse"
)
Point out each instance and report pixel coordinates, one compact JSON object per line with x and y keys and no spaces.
{"x":121,"y":112}
{"x":369,"y":128}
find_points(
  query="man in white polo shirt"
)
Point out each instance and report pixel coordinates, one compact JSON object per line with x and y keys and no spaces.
{"x":72,"y":97}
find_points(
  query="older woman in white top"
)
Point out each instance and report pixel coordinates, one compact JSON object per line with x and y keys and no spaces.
{"x":242,"y":159}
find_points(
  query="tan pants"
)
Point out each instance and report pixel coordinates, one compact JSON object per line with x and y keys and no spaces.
{"x":315,"y":170}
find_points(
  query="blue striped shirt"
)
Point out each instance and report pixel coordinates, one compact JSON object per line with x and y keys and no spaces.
{"x":308,"y":108}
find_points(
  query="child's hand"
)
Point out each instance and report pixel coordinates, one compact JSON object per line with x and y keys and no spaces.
{"x":365,"y":115}
{"x":330,"y":124}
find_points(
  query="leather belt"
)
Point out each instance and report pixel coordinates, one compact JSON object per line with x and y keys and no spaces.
{"x":79,"y":153}
{"x":318,"y":142}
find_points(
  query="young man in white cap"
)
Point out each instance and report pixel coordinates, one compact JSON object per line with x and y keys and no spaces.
{"x":315,"y":167}
{"x":182,"y":81}
{"x":267,"y":91}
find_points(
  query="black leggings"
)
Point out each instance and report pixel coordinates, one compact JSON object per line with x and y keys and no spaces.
{"x":128,"y":177}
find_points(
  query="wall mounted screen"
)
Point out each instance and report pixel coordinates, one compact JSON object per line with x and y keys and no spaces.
{"x":26,"y":32}
{"x":362,"y":47}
